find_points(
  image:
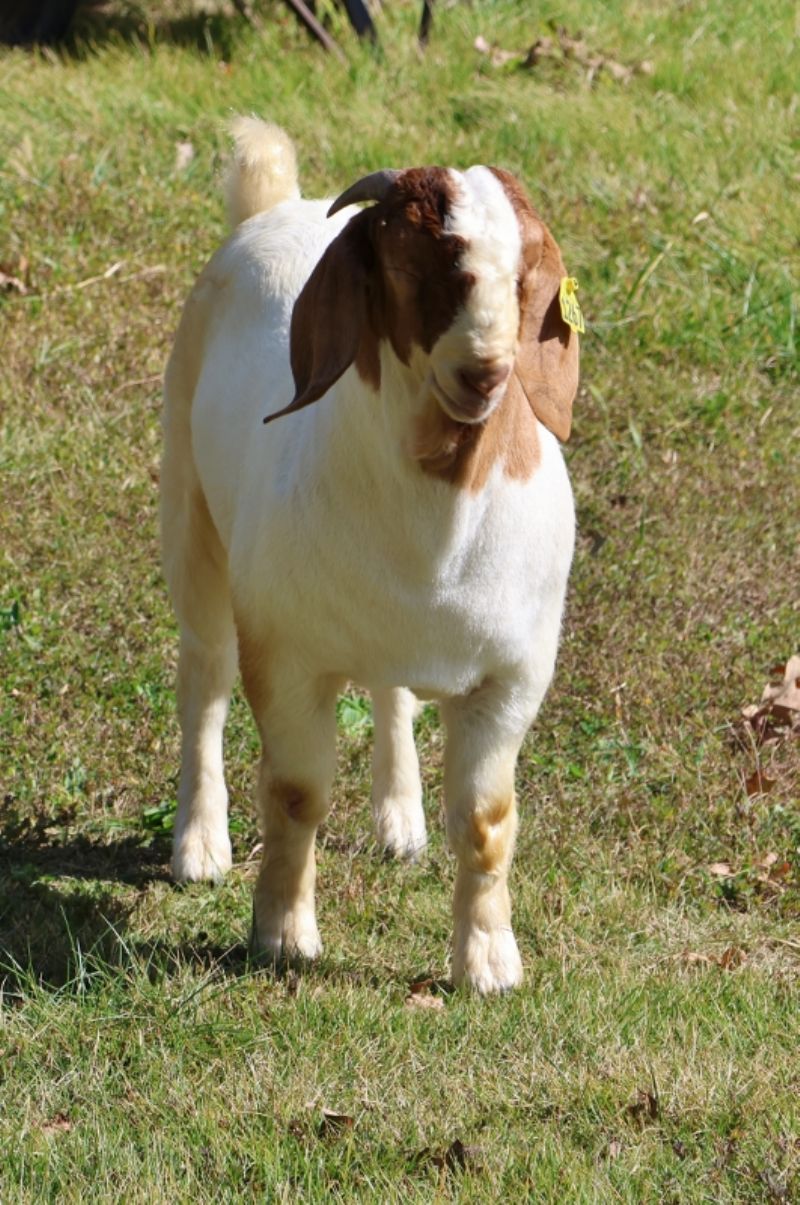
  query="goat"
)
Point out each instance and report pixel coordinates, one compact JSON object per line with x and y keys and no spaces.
{"x":406,"y":524}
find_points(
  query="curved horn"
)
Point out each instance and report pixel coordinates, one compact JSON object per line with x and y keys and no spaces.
{"x":373,"y":187}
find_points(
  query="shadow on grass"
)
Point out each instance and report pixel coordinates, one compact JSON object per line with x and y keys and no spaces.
{"x":212,"y":33}
{"x":47,"y":927}
{"x":64,"y":924}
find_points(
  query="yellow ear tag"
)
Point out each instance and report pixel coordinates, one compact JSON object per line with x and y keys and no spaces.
{"x":570,"y":310}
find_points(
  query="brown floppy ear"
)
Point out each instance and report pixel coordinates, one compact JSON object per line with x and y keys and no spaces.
{"x":329,"y":317}
{"x":548,"y":357}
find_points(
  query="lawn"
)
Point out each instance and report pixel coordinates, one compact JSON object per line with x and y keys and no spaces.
{"x":652,"y":1054}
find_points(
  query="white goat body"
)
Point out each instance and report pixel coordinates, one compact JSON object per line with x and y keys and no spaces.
{"x":412,"y":530}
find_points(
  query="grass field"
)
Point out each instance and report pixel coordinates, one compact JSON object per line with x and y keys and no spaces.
{"x":652,"y":1054}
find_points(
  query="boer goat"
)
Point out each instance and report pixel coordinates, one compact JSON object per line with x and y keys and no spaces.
{"x":412,"y":530}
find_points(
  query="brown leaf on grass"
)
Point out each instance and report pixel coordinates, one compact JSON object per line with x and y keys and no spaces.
{"x":722,"y":870}
{"x":12,"y":284}
{"x":425,"y":1001}
{"x":645,"y":1105}
{"x":333,"y":1125}
{"x":457,"y":1157}
{"x":422,"y":993}
{"x":563,"y":47}
{"x":773,"y":871}
{"x":732,"y":958}
{"x":778,"y":713}
{"x":614,"y":1149}
{"x":60,"y":1124}
{"x":757,"y":783}
{"x":694,"y":958}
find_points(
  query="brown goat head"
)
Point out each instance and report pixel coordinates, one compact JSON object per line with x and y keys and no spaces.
{"x":436,"y":266}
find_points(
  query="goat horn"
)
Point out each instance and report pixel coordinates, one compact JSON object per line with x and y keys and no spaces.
{"x":370,"y":188}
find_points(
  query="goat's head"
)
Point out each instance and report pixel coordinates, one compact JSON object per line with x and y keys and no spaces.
{"x":457,"y":272}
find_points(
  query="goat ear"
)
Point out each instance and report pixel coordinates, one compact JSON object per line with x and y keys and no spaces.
{"x":329,"y":317}
{"x":548,"y":357}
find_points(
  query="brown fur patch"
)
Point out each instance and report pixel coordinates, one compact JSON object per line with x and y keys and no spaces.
{"x":548,"y":357}
{"x":464,"y":454}
{"x":298,"y":803}
{"x":421,"y":286}
{"x":490,"y":836}
{"x":392,"y":274}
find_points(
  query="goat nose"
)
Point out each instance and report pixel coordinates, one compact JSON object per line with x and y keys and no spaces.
{"x":484,"y":380}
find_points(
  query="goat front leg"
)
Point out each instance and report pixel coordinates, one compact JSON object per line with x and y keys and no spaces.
{"x":396,"y":787}
{"x":296,"y":717}
{"x":480,"y":757}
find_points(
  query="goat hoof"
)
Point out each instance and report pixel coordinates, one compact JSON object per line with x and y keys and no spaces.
{"x":488,"y":962}
{"x":297,"y":939}
{"x":200,"y":856}
{"x":400,"y":828}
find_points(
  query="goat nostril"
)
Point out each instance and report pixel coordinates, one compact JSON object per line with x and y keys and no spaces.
{"x":483,"y":380}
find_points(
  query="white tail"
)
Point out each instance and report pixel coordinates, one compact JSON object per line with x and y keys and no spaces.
{"x":262,"y":170}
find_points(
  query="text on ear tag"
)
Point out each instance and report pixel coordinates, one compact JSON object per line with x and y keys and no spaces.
{"x":570,"y":310}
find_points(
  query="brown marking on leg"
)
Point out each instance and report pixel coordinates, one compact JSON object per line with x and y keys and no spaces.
{"x":298,"y":803}
{"x":491,"y":831}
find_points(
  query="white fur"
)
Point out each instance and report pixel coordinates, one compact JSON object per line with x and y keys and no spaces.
{"x":336,"y":557}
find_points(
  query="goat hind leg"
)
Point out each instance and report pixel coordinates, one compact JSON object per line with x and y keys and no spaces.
{"x":396,"y":787}
{"x":196,"y":570}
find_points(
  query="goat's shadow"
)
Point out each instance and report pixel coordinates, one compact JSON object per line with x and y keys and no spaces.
{"x":62,"y":915}
{"x":46,"y":926}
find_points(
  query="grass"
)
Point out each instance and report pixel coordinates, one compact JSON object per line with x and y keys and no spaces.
{"x":652,"y":1054}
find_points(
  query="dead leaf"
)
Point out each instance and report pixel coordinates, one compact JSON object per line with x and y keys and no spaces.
{"x":565,"y":48}
{"x":184,"y":154}
{"x":12,"y":284}
{"x":424,"y":993}
{"x":731,"y":958}
{"x":458,"y":1157}
{"x":757,"y":783}
{"x":614,"y":1149}
{"x":644,"y":1106}
{"x":778,"y":713}
{"x":60,"y":1124}
{"x":423,"y":1000}
{"x":722,"y":870}
{"x":695,"y":958}
{"x":333,"y":1125}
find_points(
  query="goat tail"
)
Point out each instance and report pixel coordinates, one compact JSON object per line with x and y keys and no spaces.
{"x":262,"y":170}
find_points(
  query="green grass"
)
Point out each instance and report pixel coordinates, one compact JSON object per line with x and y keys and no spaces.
{"x":652,"y":1054}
